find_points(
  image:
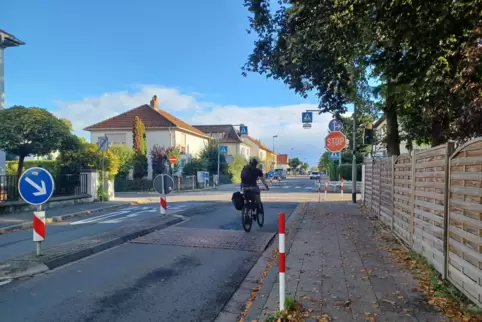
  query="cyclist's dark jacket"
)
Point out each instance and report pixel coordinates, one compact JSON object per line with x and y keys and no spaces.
{"x":250,"y":175}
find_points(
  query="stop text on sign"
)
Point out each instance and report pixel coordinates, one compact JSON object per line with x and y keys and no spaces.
{"x":335,"y":141}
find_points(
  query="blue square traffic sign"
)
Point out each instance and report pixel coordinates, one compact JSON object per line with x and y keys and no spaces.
{"x":243,"y":130}
{"x":334,"y":155}
{"x":307,"y":117}
{"x":223,"y":149}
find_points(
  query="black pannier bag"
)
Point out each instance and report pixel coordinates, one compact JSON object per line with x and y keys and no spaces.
{"x":237,"y":200}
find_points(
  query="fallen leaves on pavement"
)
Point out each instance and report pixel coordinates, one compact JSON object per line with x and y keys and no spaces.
{"x":439,"y":293}
{"x":271,"y":262}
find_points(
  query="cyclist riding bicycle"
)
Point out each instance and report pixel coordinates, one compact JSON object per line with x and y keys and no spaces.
{"x":249,"y":181}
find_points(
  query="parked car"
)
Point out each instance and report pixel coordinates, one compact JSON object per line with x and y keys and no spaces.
{"x":315,"y":175}
{"x":280,"y":174}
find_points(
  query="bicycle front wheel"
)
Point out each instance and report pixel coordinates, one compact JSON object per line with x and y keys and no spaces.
{"x":246,"y":219}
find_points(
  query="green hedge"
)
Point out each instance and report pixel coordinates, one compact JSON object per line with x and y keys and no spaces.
{"x":51,"y":165}
{"x":344,"y":171}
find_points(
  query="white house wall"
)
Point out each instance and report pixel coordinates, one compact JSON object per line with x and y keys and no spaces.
{"x":192,"y":143}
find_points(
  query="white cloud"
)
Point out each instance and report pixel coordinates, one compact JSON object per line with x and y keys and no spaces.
{"x":263,"y":122}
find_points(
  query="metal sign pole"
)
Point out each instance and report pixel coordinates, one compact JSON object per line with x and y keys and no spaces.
{"x":39,"y":243}
{"x":102,"y":196}
{"x":219,"y":161}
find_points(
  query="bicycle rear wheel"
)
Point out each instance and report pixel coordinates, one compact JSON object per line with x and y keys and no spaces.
{"x":260,"y":216}
{"x":246,"y":219}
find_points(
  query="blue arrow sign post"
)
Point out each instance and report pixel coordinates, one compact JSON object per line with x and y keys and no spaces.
{"x":36,"y":186}
{"x":270,"y":175}
{"x":335,"y":125}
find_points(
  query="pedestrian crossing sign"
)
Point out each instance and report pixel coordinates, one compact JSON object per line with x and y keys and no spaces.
{"x":307,"y":117}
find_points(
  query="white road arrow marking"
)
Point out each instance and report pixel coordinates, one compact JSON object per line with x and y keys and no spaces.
{"x":41,"y":190}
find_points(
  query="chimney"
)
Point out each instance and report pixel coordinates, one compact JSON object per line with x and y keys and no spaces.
{"x":155,"y":102}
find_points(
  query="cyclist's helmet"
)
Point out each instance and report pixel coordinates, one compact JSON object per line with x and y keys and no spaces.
{"x":253,"y":162}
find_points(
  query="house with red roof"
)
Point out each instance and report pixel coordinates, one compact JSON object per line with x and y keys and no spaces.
{"x":162,"y":129}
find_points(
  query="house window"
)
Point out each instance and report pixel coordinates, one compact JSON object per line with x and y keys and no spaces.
{"x":116,"y":138}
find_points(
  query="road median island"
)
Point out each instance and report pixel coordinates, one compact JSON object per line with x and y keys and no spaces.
{"x":60,"y":218}
{"x":62,"y":254}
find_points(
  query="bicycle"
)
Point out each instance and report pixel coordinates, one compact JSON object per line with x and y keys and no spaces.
{"x":250,"y":212}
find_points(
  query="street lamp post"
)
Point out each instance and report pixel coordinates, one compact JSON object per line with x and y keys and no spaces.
{"x":6,"y":40}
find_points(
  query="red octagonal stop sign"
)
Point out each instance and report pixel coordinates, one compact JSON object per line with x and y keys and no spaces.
{"x":335,"y":141}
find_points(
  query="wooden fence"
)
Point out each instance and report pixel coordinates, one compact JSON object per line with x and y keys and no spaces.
{"x":432,"y":201}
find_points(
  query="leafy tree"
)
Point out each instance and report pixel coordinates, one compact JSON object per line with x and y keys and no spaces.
{"x":140,"y":149}
{"x":68,"y":123}
{"x":31,"y":131}
{"x":125,"y":155}
{"x":139,"y":137}
{"x":236,"y":167}
{"x":305,"y":166}
{"x":159,"y":160}
{"x":314,"y":168}
{"x":193,"y":166}
{"x":210,"y":154}
{"x":88,"y":156}
{"x":294,"y":163}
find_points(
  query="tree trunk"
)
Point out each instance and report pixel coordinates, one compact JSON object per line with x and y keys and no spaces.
{"x":21,"y":158}
{"x":393,"y":138}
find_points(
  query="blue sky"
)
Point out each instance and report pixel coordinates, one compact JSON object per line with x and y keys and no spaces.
{"x":88,"y":60}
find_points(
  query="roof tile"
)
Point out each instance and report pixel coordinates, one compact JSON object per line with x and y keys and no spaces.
{"x":151,"y":117}
{"x":230,"y":133}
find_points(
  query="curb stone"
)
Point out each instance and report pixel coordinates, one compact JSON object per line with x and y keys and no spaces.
{"x":29,"y":265}
{"x":27,"y":225}
{"x":233,"y":309}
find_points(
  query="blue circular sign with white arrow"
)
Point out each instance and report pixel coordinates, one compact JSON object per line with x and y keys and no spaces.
{"x":36,"y":186}
{"x":270,"y":174}
{"x":335,"y":125}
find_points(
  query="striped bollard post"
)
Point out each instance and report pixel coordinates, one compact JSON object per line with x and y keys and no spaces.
{"x":163,"y":204}
{"x":39,"y":229}
{"x":342,"y":187}
{"x":326,"y":187}
{"x":282,"y":260}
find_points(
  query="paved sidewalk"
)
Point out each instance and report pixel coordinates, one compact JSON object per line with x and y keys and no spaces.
{"x":22,"y":220}
{"x":337,"y":266}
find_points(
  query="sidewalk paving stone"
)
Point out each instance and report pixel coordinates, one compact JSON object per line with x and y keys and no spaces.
{"x":338,"y":267}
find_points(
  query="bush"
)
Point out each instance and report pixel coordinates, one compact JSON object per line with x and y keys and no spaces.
{"x":125,"y":155}
{"x":88,"y":156}
{"x":236,"y":168}
{"x":344,"y":171}
{"x":193,"y":166}
{"x":50,"y":165}
{"x":140,"y":166}
{"x":159,"y":160}
{"x":210,"y":154}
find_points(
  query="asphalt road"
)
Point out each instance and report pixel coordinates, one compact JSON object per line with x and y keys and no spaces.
{"x":183,"y":273}
{"x":20,"y":242}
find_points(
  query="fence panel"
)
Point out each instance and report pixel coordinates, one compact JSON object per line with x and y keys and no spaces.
{"x":376,"y":187}
{"x":428,"y":222}
{"x":386,"y":188}
{"x":465,"y":220}
{"x":402,"y":194}
{"x":368,"y":182}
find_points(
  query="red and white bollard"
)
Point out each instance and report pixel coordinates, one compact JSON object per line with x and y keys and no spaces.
{"x":342,"y":187}
{"x":326,"y":187}
{"x":282,"y":260}
{"x":163,"y":205}
{"x":39,"y":229}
